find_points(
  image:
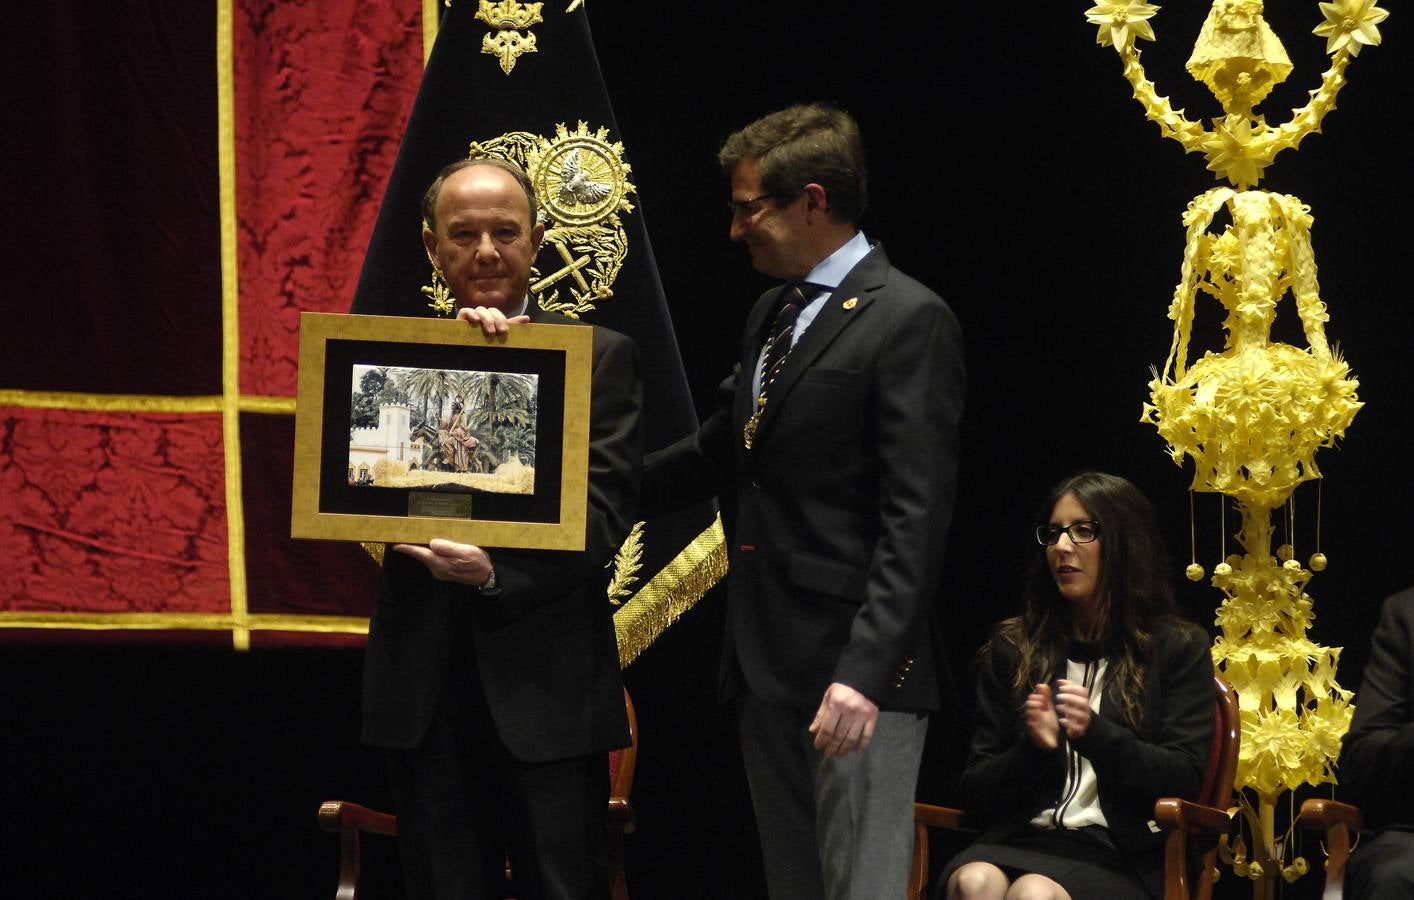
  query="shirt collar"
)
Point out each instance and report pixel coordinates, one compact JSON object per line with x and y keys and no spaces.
{"x":833,"y":268}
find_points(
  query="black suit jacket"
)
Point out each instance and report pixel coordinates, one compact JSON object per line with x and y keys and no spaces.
{"x":545,"y":647}
{"x":843,"y":504}
{"x":1377,"y":752}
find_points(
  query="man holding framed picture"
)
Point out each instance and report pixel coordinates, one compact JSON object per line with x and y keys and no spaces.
{"x":492,"y":674}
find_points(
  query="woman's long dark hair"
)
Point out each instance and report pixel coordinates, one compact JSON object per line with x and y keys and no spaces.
{"x":1133,"y":576}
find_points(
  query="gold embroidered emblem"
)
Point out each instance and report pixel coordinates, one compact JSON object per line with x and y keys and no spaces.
{"x":508,"y":19}
{"x":438,"y":291}
{"x":626,"y":564}
{"x":581,"y":183}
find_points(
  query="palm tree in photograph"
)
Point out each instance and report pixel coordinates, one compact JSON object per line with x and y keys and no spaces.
{"x":519,"y":443}
{"x":423,"y":386}
{"x":499,"y":402}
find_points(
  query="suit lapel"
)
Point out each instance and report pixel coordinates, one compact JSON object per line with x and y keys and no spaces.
{"x":857,"y":291}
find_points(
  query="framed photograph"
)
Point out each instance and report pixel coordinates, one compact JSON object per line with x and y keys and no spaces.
{"x":410,"y":429}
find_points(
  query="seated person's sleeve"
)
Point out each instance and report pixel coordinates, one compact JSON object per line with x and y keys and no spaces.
{"x":1005,"y":771}
{"x":1377,"y":754}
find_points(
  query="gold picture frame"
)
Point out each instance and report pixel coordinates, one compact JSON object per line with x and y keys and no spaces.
{"x":409,"y":429}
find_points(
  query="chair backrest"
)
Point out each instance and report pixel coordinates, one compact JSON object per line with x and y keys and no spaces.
{"x":1203,"y":823}
{"x":623,"y":762}
{"x":1223,"y":750}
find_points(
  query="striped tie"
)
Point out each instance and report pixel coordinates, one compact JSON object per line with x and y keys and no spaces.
{"x":773,"y":357}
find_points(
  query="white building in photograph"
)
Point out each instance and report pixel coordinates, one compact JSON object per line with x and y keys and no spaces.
{"x":391,"y":440}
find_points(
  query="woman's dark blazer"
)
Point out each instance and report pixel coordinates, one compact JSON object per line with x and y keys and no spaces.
{"x":1008,"y":779}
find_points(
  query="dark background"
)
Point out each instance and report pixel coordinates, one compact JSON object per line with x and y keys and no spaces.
{"x":1013,"y":172}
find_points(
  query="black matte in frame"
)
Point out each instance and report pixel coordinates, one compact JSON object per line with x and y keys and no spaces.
{"x":337,"y":496}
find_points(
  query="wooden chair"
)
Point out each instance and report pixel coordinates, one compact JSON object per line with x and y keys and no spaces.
{"x":351,"y":821}
{"x":1181,"y":820}
{"x":1337,"y":820}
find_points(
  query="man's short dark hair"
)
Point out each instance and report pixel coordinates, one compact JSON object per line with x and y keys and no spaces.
{"x":803,"y":144}
{"x":429,"y":197}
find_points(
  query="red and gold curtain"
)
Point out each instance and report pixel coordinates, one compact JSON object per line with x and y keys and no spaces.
{"x":184,"y":178}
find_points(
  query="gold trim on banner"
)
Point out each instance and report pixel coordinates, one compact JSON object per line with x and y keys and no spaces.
{"x":431,"y":21}
{"x":147,"y":403}
{"x":638,"y":623}
{"x":375,"y":551}
{"x":143,"y":403}
{"x":230,"y":321}
{"x":184,"y":622}
{"x":672,"y":592}
{"x":275,"y":406}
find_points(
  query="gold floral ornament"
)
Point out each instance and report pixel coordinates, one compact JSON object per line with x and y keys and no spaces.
{"x":1121,"y":21}
{"x":1252,"y":414}
{"x":1238,"y":56}
{"x":438,"y":292}
{"x":1240,"y":59}
{"x":1350,"y":25}
{"x":581,"y":183}
{"x":508,"y":19}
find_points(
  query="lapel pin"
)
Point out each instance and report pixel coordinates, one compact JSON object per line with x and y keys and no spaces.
{"x":850,"y":303}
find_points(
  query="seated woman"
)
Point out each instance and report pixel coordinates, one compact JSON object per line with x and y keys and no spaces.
{"x":1093,"y":703}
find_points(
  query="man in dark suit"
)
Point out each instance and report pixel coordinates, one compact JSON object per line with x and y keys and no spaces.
{"x":838,"y":435}
{"x":1377,"y":755}
{"x":492,"y":675}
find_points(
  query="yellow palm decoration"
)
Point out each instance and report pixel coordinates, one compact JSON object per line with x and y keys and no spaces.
{"x":1252,"y":414}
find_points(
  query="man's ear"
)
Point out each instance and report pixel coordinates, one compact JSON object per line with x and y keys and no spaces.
{"x":815,"y":199}
{"x":429,"y":240}
{"x":537,"y":235}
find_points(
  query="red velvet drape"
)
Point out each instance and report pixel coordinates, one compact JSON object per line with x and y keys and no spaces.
{"x":115,"y":494}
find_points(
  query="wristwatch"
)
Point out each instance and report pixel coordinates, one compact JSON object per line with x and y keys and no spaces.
{"x":491,"y":586}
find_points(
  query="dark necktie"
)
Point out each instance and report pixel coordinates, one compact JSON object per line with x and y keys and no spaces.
{"x":773,"y":357}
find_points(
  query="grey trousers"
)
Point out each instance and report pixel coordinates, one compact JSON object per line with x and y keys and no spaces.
{"x":834,"y":829}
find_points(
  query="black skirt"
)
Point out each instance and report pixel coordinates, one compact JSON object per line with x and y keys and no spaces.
{"x":1083,"y":861}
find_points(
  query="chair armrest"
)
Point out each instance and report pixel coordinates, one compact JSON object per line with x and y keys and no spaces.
{"x":1320,"y":813}
{"x":1173,"y":814}
{"x":1177,"y":818}
{"x":341,"y":815}
{"x":925,"y":816}
{"x":620,"y":815}
{"x":931,"y":816}
{"x":348,"y":820}
{"x":1337,"y":820}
